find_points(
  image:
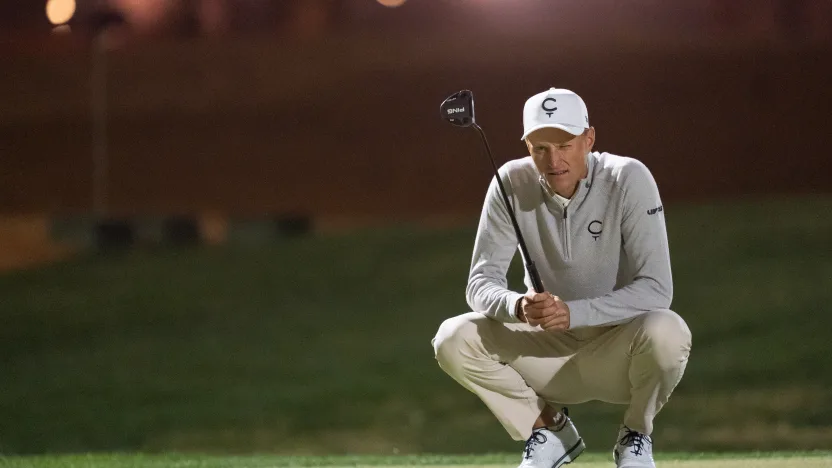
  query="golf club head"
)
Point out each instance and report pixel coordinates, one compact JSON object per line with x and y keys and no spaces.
{"x":458,"y":108}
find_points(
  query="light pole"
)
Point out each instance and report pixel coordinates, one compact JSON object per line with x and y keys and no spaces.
{"x":102,"y":23}
{"x":98,"y":109}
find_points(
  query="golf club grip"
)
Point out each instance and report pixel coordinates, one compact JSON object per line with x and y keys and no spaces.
{"x":535,"y":277}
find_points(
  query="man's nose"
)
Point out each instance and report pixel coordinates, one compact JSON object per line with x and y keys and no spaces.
{"x":555,"y":157}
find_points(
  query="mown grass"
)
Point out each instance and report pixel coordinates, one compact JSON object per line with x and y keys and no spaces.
{"x":591,"y":460}
{"x":322,"y":345}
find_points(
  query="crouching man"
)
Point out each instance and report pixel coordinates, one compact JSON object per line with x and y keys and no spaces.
{"x":603,"y":330}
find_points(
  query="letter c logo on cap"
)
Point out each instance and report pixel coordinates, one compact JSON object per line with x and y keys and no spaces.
{"x":549,"y":110}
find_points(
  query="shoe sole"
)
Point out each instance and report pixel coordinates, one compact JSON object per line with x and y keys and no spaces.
{"x":571,"y":455}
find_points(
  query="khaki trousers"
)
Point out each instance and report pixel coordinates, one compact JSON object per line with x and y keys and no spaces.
{"x":517,"y":370}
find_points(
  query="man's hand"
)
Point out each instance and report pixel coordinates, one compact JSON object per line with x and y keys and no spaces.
{"x":545,"y":310}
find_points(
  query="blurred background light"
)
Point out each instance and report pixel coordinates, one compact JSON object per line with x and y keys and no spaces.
{"x":61,"y":29}
{"x":392,"y":3}
{"x":146,"y":15}
{"x":60,"y":11}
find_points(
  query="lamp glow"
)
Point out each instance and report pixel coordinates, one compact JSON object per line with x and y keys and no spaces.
{"x":392,"y":3}
{"x":60,"y":11}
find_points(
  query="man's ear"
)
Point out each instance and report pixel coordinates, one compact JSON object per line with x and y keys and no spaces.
{"x":590,"y":135}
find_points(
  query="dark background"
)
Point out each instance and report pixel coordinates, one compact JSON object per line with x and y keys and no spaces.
{"x":302,"y":141}
{"x":277,"y":113}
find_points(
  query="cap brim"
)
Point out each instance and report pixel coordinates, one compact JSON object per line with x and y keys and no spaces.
{"x":571,"y":129}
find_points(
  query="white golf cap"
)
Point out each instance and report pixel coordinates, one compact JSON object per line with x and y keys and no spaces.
{"x":556,"y":108}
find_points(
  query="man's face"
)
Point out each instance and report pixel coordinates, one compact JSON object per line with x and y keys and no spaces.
{"x":561,"y":157}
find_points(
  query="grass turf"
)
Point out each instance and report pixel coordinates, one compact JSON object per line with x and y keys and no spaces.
{"x":590,"y":460}
{"x":322,"y":344}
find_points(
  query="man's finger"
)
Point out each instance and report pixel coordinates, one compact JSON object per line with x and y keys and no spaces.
{"x":545,"y":304}
{"x":533,"y":297}
{"x":537,"y":314}
{"x":557,"y":322}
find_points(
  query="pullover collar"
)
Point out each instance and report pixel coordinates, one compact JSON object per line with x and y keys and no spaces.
{"x":561,"y":203}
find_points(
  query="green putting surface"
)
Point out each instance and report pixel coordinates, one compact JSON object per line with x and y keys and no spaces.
{"x":590,"y":460}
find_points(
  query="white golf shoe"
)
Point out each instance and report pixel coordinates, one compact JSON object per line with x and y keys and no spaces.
{"x":547,"y":448}
{"x":633,"y":450}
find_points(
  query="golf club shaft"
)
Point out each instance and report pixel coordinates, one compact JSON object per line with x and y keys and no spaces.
{"x":524,"y":252}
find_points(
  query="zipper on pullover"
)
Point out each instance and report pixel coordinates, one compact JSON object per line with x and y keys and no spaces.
{"x":565,"y":237}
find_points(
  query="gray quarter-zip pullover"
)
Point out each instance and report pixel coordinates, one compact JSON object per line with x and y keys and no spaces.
{"x":605,"y":253}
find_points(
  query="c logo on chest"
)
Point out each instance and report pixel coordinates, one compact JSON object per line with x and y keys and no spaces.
{"x":595,"y":228}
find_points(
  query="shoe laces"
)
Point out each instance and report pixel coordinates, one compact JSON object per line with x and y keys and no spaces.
{"x":564,"y":420}
{"x":635,"y":439}
{"x":537,"y":438}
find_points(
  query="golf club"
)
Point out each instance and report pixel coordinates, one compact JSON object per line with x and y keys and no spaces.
{"x":458,"y":109}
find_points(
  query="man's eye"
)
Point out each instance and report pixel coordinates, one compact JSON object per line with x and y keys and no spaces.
{"x":540,"y":149}
{"x":564,"y":146}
